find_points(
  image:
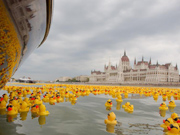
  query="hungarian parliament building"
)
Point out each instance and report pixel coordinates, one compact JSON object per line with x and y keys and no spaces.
{"x":144,"y":72}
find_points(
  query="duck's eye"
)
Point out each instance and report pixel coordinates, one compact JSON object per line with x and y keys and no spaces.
{"x":171,"y":126}
{"x":176,"y":119}
{"x":167,"y":120}
{"x":108,"y":114}
{"x":10,"y":106}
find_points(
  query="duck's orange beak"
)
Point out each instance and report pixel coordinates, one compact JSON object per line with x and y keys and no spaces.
{"x":168,"y":128}
{"x":163,"y":121}
{"x":178,"y":121}
{"x":9,"y":108}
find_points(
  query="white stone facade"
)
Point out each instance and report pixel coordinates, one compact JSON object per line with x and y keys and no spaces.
{"x":82,"y":78}
{"x":63,"y":79}
{"x":143,"y":73}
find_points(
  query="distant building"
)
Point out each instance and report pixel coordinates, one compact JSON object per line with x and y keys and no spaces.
{"x":63,"y":79}
{"x":82,"y":78}
{"x":144,"y":72}
{"x":26,"y":80}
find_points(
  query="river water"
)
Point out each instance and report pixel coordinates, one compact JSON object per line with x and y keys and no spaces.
{"x":87,"y":117}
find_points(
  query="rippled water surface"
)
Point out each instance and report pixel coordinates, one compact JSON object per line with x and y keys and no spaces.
{"x":87,"y":116}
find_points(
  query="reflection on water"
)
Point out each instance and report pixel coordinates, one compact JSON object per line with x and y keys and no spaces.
{"x":162,"y":113}
{"x":42,"y":120}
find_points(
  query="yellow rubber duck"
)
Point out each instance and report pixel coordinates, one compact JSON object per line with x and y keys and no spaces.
{"x":5,"y":97}
{"x":129,"y":108}
{"x":166,"y":122}
{"x":125,"y":105}
{"x":27,"y":101}
{"x":52,"y":100}
{"x":173,"y":129}
{"x":111,"y":119}
{"x":28,"y":91}
{"x":164,"y":97}
{"x":32,"y":98}
{"x":66,"y":94}
{"x":59,"y":98}
{"x":24,"y":93}
{"x":19,"y":94}
{"x":11,"y":110}
{"x":15,"y":103}
{"x":24,"y":107}
{"x":74,"y":98}
{"x":108,"y":103}
{"x":119,"y":99}
{"x":2,"y":103}
{"x":46,"y":98}
{"x":42,"y":110}
{"x":163,"y":106}
{"x":176,"y":118}
{"x":172,"y":103}
{"x":126,"y":95}
{"x":35,"y":108}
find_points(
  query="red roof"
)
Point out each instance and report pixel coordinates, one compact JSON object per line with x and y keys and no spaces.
{"x":140,"y":62}
{"x":125,"y":58}
{"x":113,"y":67}
{"x":97,"y":72}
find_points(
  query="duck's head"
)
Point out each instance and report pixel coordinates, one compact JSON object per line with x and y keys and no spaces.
{"x":42,"y":108}
{"x":10,"y":107}
{"x":127,"y":103}
{"x":52,"y":97}
{"x":35,"y":106}
{"x":173,"y":128}
{"x":174,"y":115}
{"x":19,"y":93}
{"x":172,"y":102}
{"x":131,"y":107}
{"x":109,"y":102}
{"x":168,"y":121}
{"x":164,"y":95}
{"x":163,"y":104}
{"x":177,"y":120}
{"x":26,"y":99}
{"x":111,"y":116}
{"x":23,"y":104}
{"x":119,"y":97}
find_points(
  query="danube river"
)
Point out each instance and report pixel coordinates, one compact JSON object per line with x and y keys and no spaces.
{"x":87,"y":117}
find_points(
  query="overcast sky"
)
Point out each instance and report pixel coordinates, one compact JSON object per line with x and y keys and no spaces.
{"x":86,"y":33}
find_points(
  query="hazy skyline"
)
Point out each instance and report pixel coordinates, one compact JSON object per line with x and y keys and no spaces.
{"x":86,"y":33}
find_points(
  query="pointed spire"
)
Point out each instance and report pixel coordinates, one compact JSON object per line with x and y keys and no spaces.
{"x":176,"y":66}
{"x":157,"y":64}
{"x":150,"y":61}
{"x":142,"y":58}
{"x":124,"y":52}
{"x":135,"y":61}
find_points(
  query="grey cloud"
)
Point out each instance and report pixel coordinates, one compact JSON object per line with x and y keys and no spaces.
{"x":85,"y":33}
